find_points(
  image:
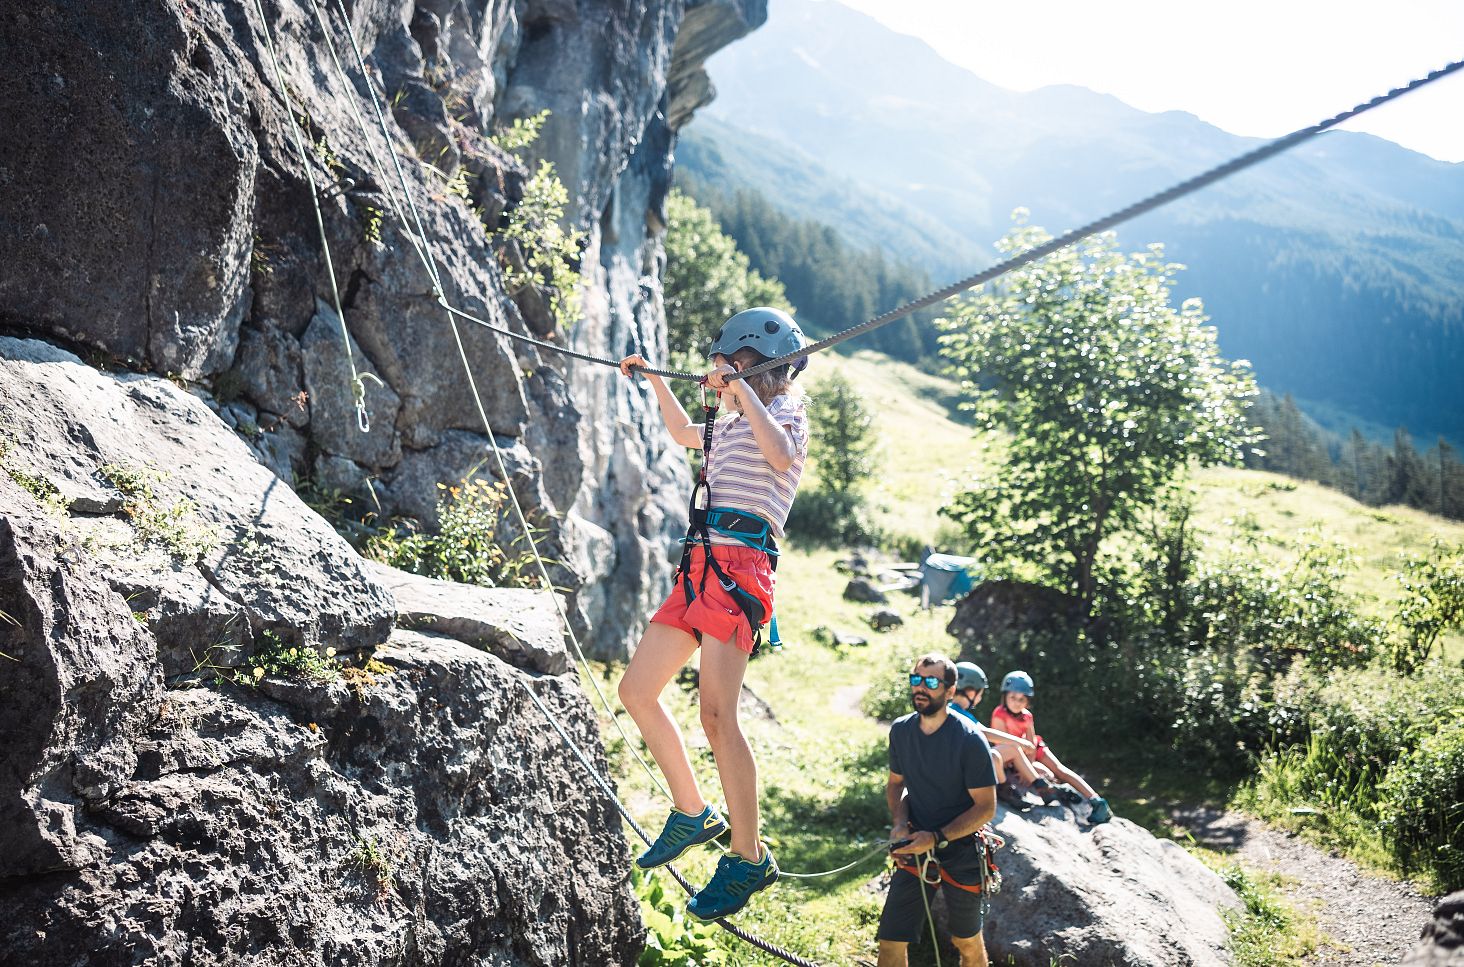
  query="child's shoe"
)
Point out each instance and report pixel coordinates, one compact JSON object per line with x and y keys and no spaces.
{"x":1010,"y":796}
{"x":1063,"y":793}
{"x":681,"y":832}
{"x":734,"y":883}
{"x":1101,"y":813}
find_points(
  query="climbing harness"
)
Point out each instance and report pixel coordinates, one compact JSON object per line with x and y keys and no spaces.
{"x":927,"y":867}
{"x":748,"y":529}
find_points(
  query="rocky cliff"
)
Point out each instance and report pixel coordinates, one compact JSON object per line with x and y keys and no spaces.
{"x":229,"y":739}
{"x":155,"y":214}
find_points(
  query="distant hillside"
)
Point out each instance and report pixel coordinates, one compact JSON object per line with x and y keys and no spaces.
{"x":1338,"y":269}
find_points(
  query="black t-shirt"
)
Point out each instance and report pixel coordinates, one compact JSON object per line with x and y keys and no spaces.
{"x":939,"y":768}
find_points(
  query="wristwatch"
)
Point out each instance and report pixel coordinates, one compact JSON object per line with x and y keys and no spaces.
{"x":940,"y":839}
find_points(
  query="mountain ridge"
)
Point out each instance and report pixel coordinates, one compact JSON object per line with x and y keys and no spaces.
{"x":1338,"y":269}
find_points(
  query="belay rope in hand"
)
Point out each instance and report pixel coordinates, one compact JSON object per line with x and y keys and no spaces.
{"x":703,"y":518}
{"x":931,"y":874}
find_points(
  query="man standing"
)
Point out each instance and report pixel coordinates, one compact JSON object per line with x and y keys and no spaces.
{"x":941,"y":791}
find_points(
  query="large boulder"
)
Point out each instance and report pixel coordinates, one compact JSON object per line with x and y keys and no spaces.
{"x":1001,"y":615}
{"x":1441,"y":942}
{"x":79,"y":683}
{"x":1102,"y":895}
{"x":384,"y":819}
{"x":1109,"y":894}
{"x":207,"y":546}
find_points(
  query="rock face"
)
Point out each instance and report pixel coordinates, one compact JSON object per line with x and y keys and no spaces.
{"x":160,"y":215}
{"x":417,"y":809}
{"x":208,"y":547}
{"x":283,"y":825}
{"x":1110,"y":896}
{"x":1442,"y":939}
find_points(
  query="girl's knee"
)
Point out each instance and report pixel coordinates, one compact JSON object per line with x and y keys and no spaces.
{"x":718,"y":723}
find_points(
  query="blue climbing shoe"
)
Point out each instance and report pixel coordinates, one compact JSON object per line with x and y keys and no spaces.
{"x":681,"y":833}
{"x":734,"y":883}
{"x":1101,"y":813}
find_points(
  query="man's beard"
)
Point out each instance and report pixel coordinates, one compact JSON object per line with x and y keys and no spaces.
{"x":932,"y":704}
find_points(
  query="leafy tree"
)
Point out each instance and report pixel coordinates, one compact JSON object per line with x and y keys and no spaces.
{"x":842,"y":448}
{"x":844,"y":444}
{"x":706,"y":280}
{"x":1107,"y":390}
{"x":1433,"y":603}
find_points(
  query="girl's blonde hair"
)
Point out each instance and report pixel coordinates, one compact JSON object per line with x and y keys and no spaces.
{"x":776,"y":382}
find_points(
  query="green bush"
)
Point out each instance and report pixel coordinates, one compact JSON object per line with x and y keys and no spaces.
{"x":672,"y":938}
{"x":832,"y":518}
{"x":1422,"y":805}
{"x":468,"y":546}
{"x":888,"y":696}
{"x":1223,"y":709}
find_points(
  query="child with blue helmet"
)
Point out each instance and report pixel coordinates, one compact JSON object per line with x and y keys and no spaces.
{"x":1014,"y":715}
{"x":752,"y":474}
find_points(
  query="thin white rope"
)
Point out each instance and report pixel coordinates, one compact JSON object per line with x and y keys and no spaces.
{"x":430,"y":263}
{"x":358,"y":388}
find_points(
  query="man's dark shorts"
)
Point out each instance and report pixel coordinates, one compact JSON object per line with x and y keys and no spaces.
{"x":903,"y":919}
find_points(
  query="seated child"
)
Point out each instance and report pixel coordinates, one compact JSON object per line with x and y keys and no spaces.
{"x":1014,"y":716}
{"x":1005,"y":747}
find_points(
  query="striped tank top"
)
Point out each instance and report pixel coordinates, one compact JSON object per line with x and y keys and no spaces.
{"x":741,"y":477}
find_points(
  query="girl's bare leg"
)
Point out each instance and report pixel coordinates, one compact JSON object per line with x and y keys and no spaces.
{"x":997,"y":766}
{"x":663,"y":650}
{"x":1017,"y":759}
{"x":1066,"y":775}
{"x":722,"y":667}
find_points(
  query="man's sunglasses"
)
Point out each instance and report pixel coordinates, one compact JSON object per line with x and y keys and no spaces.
{"x":930,"y":681}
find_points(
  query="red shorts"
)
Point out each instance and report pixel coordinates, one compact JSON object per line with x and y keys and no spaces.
{"x":713,"y":612}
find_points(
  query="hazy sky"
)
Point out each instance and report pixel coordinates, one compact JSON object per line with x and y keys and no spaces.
{"x":1249,"y":67}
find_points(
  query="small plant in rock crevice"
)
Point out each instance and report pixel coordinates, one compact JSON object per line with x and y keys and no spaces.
{"x":280,"y":659}
{"x":370,"y":859}
{"x":175,"y":526}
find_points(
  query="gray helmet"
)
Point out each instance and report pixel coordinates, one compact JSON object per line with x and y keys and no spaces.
{"x":969,"y":675}
{"x":771,"y":332}
{"x":1017,"y":682}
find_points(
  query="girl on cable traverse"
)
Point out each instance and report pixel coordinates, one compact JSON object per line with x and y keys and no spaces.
{"x":752,"y":473}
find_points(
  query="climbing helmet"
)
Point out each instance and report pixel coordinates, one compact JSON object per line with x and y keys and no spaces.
{"x":1017,"y":682}
{"x":969,"y":675}
{"x":772,"y":332}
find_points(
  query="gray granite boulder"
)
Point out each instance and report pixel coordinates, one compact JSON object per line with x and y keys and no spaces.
{"x":206,"y":544}
{"x":1441,"y":942}
{"x":1109,"y":894}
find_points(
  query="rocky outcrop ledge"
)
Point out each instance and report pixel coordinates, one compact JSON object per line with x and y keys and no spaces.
{"x":166,"y":798}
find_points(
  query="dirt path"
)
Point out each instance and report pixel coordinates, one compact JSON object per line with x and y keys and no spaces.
{"x":1368,"y":920}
